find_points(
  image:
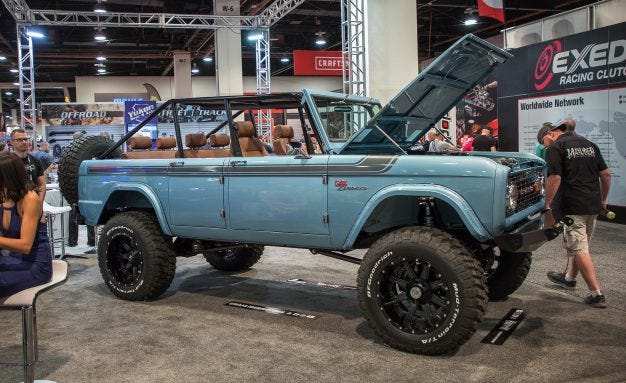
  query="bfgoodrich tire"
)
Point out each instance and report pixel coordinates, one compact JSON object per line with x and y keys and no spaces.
{"x":234,"y":259}
{"x":421,"y":291}
{"x":135,"y":259}
{"x":84,"y":148}
{"x":507,"y":273}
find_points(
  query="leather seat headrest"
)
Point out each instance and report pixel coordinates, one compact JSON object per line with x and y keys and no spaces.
{"x":283,"y":131}
{"x":140,"y":142}
{"x":166,"y":142}
{"x":219,"y":140}
{"x":195,"y":140}
{"x":244,"y":129}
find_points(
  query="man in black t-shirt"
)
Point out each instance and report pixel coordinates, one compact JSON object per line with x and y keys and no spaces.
{"x":34,"y":170}
{"x":576,"y":166}
{"x":484,"y":142}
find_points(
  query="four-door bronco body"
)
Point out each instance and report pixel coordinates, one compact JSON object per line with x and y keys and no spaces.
{"x":444,"y":231}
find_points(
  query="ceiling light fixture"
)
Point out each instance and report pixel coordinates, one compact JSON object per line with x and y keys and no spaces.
{"x":2,"y":58}
{"x":99,"y":36}
{"x":320,"y":40}
{"x":471,"y":18}
{"x":102,"y":70}
{"x":195,"y":69}
{"x":255,"y":35}
{"x":284,"y":60}
{"x":16,"y":83}
{"x":35,"y":32}
{"x":99,"y":8}
{"x":13,"y":70}
{"x":8,"y":93}
{"x":101,"y":58}
{"x":208,"y":59}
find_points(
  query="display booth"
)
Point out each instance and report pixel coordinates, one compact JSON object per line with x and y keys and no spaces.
{"x":582,"y":76}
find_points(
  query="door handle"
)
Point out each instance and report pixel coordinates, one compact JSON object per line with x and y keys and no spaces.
{"x":238,"y":163}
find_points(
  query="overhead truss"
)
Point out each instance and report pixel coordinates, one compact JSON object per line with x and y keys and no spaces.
{"x":23,"y":14}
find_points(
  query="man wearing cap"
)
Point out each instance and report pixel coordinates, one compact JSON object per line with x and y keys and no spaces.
{"x":574,"y":166}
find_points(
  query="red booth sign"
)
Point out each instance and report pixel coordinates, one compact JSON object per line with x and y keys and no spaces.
{"x":317,"y":63}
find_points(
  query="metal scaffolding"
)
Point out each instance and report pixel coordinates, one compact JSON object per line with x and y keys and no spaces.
{"x":26,"y":78}
{"x":263,"y":84}
{"x":26,"y":16}
{"x":354,"y":47}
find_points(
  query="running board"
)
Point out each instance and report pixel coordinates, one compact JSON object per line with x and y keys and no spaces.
{"x":336,"y":255}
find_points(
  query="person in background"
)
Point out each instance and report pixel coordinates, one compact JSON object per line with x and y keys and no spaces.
{"x":576,"y":169}
{"x":441,"y":145}
{"x":430,"y":137}
{"x":543,"y":140}
{"x":75,"y":220}
{"x":484,"y":142}
{"x":34,"y":169}
{"x":43,"y":154}
{"x":24,"y":238}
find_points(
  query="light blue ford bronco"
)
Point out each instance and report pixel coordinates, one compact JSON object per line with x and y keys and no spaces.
{"x":444,"y":231}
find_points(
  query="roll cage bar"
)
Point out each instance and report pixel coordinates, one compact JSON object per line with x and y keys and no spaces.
{"x":239,"y":103}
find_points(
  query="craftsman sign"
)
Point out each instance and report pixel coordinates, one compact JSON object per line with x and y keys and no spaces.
{"x":317,"y":63}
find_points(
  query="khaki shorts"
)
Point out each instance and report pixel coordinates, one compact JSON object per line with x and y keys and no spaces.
{"x":577,"y":235}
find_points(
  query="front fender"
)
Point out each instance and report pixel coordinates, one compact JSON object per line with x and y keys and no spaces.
{"x":466,"y":213}
{"x":91,"y":210}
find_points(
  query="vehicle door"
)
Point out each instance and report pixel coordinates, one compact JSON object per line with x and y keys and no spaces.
{"x":280,"y":194}
{"x":196,"y":192}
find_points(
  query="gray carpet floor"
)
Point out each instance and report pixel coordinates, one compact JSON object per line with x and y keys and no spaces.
{"x":190,"y":335}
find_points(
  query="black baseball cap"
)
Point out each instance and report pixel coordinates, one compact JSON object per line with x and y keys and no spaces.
{"x":548,"y":127}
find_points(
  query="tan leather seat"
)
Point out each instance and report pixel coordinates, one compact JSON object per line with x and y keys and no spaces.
{"x":282,"y":135}
{"x":251,"y":146}
{"x":164,"y":143}
{"x":141,"y":145}
{"x":220,"y":145}
{"x":196,"y":141}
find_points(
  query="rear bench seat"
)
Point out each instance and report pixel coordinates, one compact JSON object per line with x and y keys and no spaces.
{"x":196,"y":141}
{"x":141,"y":148}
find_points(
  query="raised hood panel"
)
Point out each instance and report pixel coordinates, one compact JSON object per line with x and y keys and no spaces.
{"x":433,"y":92}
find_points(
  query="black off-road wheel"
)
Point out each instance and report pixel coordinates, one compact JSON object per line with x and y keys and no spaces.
{"x":421,"y":291}
{"x":135,"y":259}
{"x":234,"y":259}
{"x":84,"y":148}
{"x":506,"y":272}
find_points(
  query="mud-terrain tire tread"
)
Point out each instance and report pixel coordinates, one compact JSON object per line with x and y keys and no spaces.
{"x":240,"y":259}
{"x":159,"y":261}
{"x":81,"y":149}
{"x":512,"y":270}
{"x":459,"y":258}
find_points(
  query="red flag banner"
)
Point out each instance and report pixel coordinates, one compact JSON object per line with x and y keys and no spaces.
{"x":491,"y":8}
{"x":317,"y":63}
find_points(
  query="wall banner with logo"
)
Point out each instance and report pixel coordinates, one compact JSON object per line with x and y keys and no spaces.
{"x":137,"y":111}
{"x":582,"y":76}
{"x":317,"y":63}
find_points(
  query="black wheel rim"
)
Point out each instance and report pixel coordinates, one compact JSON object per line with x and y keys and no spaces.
{"x":414,"y":296}
{"x":125,"y":261}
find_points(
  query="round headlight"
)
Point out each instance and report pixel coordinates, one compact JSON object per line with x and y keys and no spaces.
{"x":511,"y":197}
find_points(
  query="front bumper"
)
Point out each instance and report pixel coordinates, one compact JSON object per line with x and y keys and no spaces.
{"x":528,"y":237}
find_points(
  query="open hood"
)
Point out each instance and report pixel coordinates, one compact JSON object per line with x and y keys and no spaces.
{"x":430,"y":95}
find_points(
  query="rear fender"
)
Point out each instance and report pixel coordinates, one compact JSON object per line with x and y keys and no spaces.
{"x":135,"y":195}
{"x":463,"y":209}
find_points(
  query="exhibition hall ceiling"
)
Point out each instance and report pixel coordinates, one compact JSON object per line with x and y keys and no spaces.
{"x":69,"y":51}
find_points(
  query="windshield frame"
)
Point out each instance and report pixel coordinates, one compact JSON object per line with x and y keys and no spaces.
{"x":371,"y":105}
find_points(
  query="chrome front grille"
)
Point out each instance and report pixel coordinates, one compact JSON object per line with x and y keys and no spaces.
{"x":528,"y":184}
